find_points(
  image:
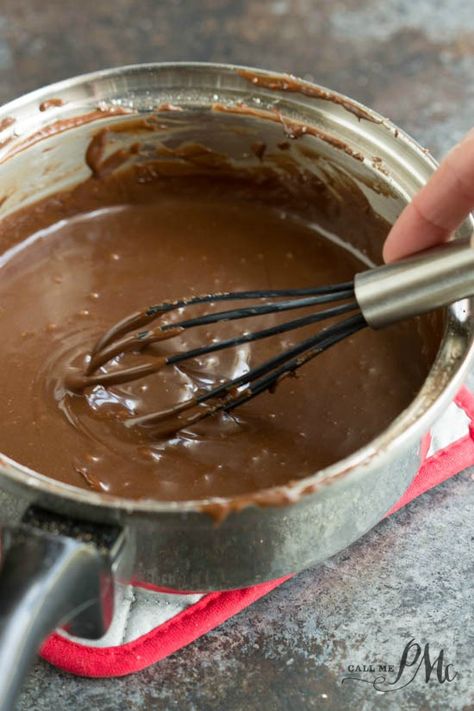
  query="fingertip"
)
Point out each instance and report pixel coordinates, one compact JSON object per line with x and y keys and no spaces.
{"x":402,"y":238}
{"x":387,"y":252}
{"x":394,"y":247}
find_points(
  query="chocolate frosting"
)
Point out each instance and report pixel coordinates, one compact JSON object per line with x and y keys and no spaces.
{"x":180,"y":223}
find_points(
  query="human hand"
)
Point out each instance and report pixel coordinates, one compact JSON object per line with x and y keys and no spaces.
{"x":439,"y":207}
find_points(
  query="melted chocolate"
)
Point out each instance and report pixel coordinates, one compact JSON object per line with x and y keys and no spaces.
{"x":75,"y":263}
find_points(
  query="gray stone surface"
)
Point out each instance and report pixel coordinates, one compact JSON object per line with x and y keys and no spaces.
{"x":411,"y":577}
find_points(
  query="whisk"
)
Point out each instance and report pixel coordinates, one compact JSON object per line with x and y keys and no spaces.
{"x":376,"y":298}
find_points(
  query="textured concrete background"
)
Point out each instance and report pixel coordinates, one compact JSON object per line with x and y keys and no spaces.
{"x":413,"y":575}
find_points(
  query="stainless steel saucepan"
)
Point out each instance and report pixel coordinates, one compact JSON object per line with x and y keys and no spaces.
{"x":62,"y":547}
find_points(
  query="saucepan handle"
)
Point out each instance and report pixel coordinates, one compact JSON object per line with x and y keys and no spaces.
{"x":54,"y":572}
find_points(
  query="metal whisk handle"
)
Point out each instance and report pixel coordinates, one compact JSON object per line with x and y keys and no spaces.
{"x":417,"y":284}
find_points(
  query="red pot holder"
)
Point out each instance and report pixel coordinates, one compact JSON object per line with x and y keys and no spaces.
{"x":150,"y":624}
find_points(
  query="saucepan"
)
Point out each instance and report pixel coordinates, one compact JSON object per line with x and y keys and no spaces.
{"x":64,"y":547}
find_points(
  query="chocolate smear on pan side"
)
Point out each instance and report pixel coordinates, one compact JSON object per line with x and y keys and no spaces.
{"x":292,"y":84}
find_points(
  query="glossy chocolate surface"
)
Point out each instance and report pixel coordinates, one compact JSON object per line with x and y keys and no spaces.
{"x":77,"y":262}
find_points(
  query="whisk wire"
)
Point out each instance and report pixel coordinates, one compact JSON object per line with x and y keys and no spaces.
{"x":108,"y":346}
{"x":243,"y":295}
{"x":232,"y":393}
{"x":264,"y":333}
{"x":261,"y":310}
{"x":258,"y":379}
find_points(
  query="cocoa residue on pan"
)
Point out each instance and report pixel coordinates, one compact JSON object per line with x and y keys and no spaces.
{"x":380,"y":165}
{"x":65,"y":124}
{"x":258,"y":149}
{"x":292,"y":129}
{"x":140,"y":124}
{"x":6,"y":122}
{"x":50,"y":103}
{"x":291,"y":83}
{"x":101,"y":166}
{"x":95,"y":151}
{"x":168,"y":106}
